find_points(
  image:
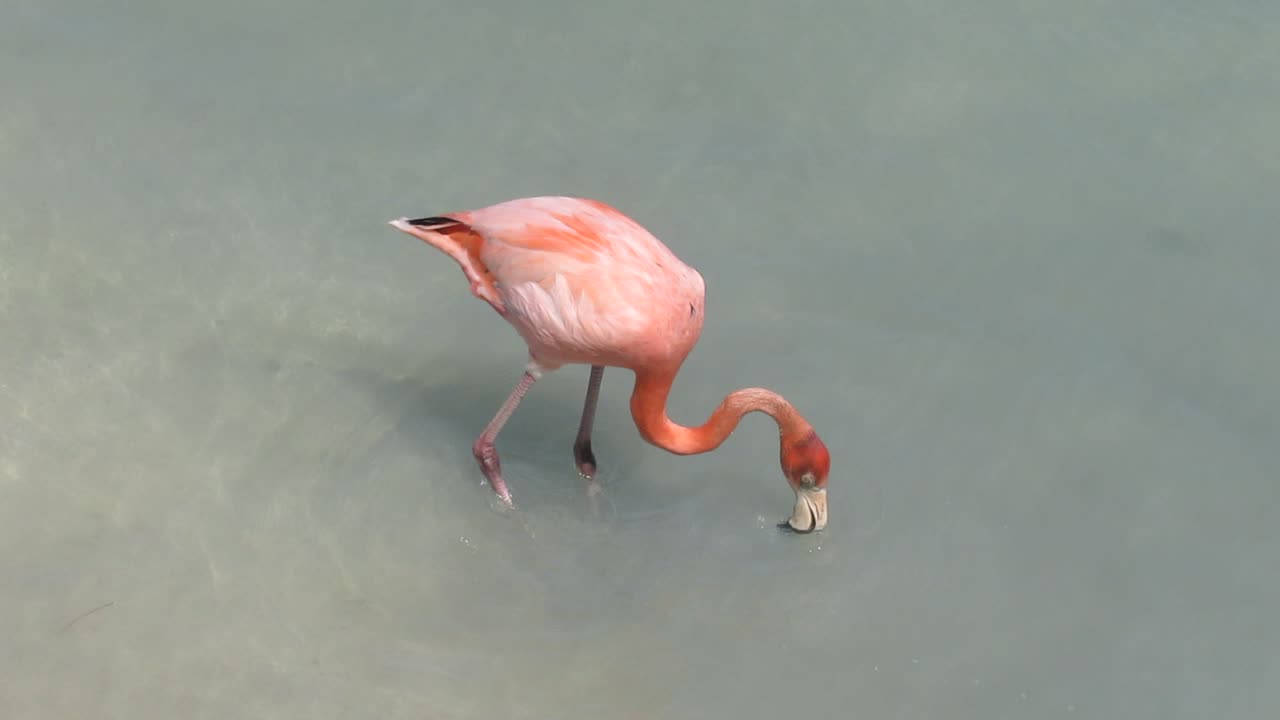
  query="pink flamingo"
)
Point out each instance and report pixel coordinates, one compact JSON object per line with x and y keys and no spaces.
{"x":584,"y":284}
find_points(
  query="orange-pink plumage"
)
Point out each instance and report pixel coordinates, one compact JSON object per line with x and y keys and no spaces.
{"x":584,"y":284}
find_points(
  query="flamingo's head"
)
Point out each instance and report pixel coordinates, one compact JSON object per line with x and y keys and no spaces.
{"x":805,"y":463}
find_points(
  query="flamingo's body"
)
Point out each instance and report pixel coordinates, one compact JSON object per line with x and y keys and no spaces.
{"x":581,"y":282}
{"x":584,"y":284}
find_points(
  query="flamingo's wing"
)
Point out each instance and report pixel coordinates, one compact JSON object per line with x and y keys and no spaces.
{"x":585,"y":243}
{"x":581,"y":281}
{"x":568,"y":233}
{"x":533,"y":239}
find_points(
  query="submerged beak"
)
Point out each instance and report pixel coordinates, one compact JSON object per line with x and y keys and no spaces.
{"x":810,"y":512}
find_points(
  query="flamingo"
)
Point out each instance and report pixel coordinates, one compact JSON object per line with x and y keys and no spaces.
{"x":584,"y":284}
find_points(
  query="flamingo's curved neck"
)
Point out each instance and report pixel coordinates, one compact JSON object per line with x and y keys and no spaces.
{"x":649,"y":410}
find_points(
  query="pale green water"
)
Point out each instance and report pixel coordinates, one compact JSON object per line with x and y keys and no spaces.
{"x":1016,"y":261}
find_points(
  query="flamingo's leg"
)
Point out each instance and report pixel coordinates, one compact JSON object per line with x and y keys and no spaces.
{"x":483,"y":448}
{"x":582,"y":455}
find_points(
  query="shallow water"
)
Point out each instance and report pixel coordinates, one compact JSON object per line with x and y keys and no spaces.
{"x":1015,"y":262}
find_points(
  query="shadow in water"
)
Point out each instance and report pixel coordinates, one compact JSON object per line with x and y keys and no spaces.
{"x":444,"y":404}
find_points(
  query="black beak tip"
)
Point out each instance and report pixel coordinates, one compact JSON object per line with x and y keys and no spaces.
{"x":427,"y":222}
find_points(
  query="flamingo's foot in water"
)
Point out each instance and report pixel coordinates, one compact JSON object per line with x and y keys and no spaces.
{"x":502,"y":504}
{"x":585,"y":460}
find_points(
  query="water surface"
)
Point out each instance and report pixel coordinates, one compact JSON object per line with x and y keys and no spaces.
{"x":1016,"y":262}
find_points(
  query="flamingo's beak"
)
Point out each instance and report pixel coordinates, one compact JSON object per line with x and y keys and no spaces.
{"x":810,"y":513}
